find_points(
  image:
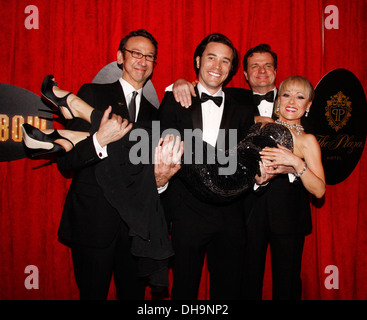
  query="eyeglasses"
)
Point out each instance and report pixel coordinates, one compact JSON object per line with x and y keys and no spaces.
{"x":139,"y":55}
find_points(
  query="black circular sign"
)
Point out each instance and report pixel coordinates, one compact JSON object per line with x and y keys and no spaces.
{"x":338,"y":120}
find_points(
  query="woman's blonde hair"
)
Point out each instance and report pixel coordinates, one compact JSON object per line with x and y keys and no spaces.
{"x":309,"y":90}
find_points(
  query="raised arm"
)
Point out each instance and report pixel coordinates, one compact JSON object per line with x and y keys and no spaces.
{"x":314,"y":177}
{"x":183,"y":90}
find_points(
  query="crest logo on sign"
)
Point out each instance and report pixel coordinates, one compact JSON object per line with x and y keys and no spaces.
{"x":338,"y":111}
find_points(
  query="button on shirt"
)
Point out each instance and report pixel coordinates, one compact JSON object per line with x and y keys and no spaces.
{"x":212,"y":116}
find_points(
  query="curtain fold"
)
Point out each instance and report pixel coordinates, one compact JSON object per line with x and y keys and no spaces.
{"x":76,"y":39}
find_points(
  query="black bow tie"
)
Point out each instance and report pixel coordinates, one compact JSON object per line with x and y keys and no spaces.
{"x":268,"y":97}
{"x":205,"y":97}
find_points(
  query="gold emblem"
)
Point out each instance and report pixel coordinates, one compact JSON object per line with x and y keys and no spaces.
{"x":338,"y":110}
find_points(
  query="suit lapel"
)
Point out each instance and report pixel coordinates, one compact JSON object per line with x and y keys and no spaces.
{"x":196,"y":114}
{"x":145,"y":110}
{"x":225,"y":123}
{"x":120,"y":107}
{"x":256,"y":109}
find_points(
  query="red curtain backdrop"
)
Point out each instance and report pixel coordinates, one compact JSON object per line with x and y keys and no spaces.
{"x":75,"y":39}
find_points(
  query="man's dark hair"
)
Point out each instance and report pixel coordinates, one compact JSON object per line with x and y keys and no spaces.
{"x":138,"y":33}
{"x":261,"y":48}
{"x":217,"y":37}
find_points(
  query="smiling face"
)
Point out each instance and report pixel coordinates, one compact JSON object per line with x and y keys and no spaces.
{"x":136,"y":71}
{"x":294,"y":99}
{"x":260,"y":72}
{"x":214,"y":66}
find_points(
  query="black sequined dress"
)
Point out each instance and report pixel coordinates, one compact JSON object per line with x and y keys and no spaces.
{"x":204,"y":179}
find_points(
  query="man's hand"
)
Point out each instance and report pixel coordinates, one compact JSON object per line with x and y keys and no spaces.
{"x":167,"y":159}
{"x":182,"y":91}
{"x":263,"y":120}
{"x":279,"y":169}
{"x":265,"y":176}
{"x":111,"y":130}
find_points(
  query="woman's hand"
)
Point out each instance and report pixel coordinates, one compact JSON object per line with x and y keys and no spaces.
{"x":280,"y":160}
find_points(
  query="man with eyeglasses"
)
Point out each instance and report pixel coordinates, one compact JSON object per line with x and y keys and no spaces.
{"x":98,"y":237}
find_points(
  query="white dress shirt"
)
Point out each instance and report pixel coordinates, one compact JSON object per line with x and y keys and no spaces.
{"x":128,"y":90}
{"x":265,"y":107}
{"x":212,"y":115}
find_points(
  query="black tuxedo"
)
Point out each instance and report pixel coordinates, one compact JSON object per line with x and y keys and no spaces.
{"x":245,"y":96}
{"x":96,"y":233}
{"x":277,"y":214}
{"x":198,"y":227}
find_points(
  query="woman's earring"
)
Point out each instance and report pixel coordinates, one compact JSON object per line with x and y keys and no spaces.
{"x":277,"y":109}
{"x":307,"y":111}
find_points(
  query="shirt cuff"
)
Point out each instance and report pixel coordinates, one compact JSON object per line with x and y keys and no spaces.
{"x":162,"y":189}
{"x":101,"y":151}
{"x":169,"y":88}
{"x":291,"y":177}
{"x":257,"y":186}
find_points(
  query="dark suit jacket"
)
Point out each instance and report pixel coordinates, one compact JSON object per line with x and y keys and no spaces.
{"x":88,"y":217}
{"x":245,"y":96}
{"x":172,"y":115}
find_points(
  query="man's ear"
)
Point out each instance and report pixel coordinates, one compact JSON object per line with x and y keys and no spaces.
{"x":198,"y":62}
{"x":245,"y":73}
{"x":120,"y":57}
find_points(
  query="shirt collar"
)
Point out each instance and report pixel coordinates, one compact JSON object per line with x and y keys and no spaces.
{"x":128,"y":88}
{"x":202,"y":89}
{"x":262,"y":94}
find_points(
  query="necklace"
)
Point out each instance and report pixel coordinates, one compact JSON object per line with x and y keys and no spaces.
{"x":297,"y":127}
